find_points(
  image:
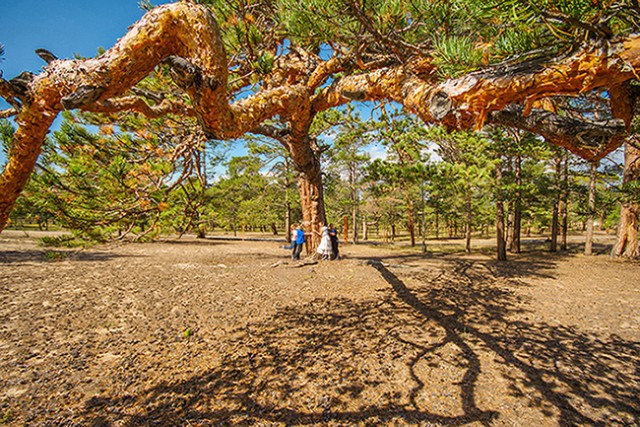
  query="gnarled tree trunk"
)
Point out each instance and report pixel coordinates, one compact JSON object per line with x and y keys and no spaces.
{"x":312,"y":202}
{"x":306,"y":157}
{"x":627,"y":244}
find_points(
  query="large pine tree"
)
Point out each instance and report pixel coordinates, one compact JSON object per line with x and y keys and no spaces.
{"x":238,"y":65}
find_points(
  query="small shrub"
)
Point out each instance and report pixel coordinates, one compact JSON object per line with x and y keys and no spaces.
{"x":63,"y":241}
{"x":55,"y":256}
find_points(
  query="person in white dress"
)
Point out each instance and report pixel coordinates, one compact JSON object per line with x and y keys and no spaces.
{"x":324,"y":248}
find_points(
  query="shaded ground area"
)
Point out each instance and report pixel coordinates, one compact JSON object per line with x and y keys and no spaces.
{"x":228,"y":333}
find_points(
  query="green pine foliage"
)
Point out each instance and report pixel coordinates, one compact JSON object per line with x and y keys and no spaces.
{"x":246,"y":198}
{"x":144,"y":177}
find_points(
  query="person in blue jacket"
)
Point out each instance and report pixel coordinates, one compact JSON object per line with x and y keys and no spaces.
{"x":299,"y":243}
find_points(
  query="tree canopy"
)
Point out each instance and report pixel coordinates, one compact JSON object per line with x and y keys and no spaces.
{"x":562,"y":69}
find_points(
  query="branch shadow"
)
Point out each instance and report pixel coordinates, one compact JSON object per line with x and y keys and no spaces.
{"x":20,"y":257}
{"x":588,"y":380}
{"x":192,"y":242}
{"x":345,"y":362}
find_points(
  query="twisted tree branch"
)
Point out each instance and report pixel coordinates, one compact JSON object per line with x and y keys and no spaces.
{"x":188,"y":34}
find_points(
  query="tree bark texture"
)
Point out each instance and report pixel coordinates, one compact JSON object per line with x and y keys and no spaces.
{"x":354,"y":204}
{"x":469,"y":223}
{"x":411,"y":226}
{"x":365,"y":228}
{"x":306,"y":158}
{"x":627,"y":244}
{"x":311,"y":199}
{"x":287,"y":202}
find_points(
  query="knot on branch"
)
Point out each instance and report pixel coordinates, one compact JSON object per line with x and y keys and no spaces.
{"x":82,"y":96}
{"x":19,"y":86}
{"x":187,"y":75}
{"x":209,"y":132}
{"x":7,"y":92}
{"x":47,"y":56}
{"x":440,"y":105}
{"x":354,"y":95}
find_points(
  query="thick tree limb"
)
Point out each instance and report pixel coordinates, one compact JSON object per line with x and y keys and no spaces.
{"x":273,"y":132}
{"x":180,"y":29}
{"x":133,"y":103}
{"x":475,"y":95}
{"x":467,"y":101}
{"x":325,"y":70}
{"x":154,"y":96}
{"x":623,"y":102}
{"x":591,"y":140}
{"x":19,"y":86}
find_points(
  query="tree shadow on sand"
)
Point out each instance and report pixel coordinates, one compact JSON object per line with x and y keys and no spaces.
{"x":423,"y":353}
{"x":29,"y":256}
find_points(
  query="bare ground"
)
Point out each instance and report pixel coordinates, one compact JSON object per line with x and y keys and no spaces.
{"x":227,"y":333}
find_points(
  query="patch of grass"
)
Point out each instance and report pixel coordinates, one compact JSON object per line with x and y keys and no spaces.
{"x":64,"y":241}
{"x":188,"y":333}
{"x":6,"y":417}
{"x":55,"y":255}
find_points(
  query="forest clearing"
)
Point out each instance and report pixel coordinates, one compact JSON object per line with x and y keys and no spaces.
{"x":204,"y":332}
{"x":386,"y":119}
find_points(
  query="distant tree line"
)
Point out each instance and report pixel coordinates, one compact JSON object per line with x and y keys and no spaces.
{"x":144,"y":178}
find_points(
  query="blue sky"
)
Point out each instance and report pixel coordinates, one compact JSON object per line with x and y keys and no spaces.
{"x":64,"y":27}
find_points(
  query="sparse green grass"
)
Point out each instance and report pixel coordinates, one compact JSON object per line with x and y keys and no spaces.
{"x":55,"y":255}
{"x":6,"y":417}
{"x":63,"y":241}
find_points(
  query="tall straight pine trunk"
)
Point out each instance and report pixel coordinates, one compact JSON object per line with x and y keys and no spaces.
{"x":468,"y":225}
{"x":514,"y":246}
{"x":501,"y":243}
{"x":564,"y":201}
{"x":588,"y":245}
{"x":555,"y":223}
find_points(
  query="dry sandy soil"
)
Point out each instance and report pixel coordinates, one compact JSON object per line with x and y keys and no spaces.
{"x":228,"y":333}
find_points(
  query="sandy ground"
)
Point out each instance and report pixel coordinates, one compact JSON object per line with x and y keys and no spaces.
{"x":228,"y":333}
